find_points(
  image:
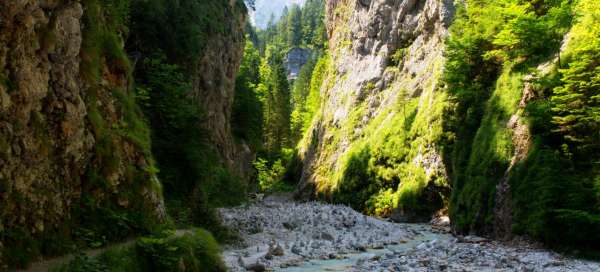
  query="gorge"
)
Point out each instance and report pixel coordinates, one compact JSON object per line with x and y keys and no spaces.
{"x":417,"y":135}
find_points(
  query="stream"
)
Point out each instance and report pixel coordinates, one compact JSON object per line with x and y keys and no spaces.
{"x":279,"y":234}
{"x":351,"y":259}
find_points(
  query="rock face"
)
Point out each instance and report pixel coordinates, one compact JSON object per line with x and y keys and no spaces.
{"x":54,"y":120}
{"x":214,"y":84}
{"x":383,"y":81}
{"x":294,"y":60}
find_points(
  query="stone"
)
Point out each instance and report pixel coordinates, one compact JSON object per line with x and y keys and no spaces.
{"x":256,"y":267}
{"x":327,"y":236}
{"x":442,"y":252}
{"x":276,"y":250}
{"x":290,"y":225}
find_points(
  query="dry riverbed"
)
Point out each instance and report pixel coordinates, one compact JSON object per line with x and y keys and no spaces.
{"x":282,"y":235}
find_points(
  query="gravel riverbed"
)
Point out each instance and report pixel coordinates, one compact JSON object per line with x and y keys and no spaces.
{"x":282,"y":235}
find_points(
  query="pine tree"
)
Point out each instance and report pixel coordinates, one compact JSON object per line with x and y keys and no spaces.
{"x":275,"y":96}
{"x":576,"y":103}
{"x":294,"y":27}
{"x":247,"y":116}
{"x":300,"y":93}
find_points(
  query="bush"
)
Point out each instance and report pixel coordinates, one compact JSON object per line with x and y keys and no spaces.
{"x":195,"y":251}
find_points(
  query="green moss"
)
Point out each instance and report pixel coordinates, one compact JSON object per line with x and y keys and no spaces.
{"x":48,"y":38}
{"x":23,"y":248}
{"x":492,"y":150}
{"x":133,"y":125}
{"x":4,"y":147}
{"x":380,"y":170}
{"x":552,"y":189}
{"x":41,"y":131}
{"x":9,"y":84}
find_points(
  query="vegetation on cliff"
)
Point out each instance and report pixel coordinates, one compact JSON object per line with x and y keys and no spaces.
{"x":493,"y":46}
{"x":137,"y":64}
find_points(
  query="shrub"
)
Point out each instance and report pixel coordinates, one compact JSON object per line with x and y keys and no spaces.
{"x":195,"y":251}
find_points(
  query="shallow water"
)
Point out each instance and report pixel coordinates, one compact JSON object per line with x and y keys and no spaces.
{"x":351,"y":259}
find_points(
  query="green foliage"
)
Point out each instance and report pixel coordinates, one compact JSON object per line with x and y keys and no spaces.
{"x":397,"y":58}
{"x":576,"y":101}
{"x":193,"y":251}
{"x":287,"y":107}
{"x":294,"y":25}
{"x":300,"y":116}
{"x":491,"y":152}
{"x":553,"y":192}
{"x":274,"y":93}
{"x":168,"y":37}
{"x":247,"y":116}
{"x":197,"y":251}
{"x":269,"y":178}
{"x":190,"y":170}
{"x":356,"y":184}
{"x":180,"y":29}
{"x":529,"y":33}
{"x":550,"y":191}
{"x":306,"y":97}
{"x":23,"y":247}
{"x":558,"y":183}
{"x":381,"y":171}
{"x":162,"y":91}
{"x":8,"y":84}
{"x":298,"y":27}
{"x":83,"y":263}
{"x":489,"y":37}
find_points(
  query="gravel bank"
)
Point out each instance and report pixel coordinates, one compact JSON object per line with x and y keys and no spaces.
{"x":281,"y":235}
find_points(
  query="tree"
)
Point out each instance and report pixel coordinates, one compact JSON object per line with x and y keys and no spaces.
{"x":294,"y":27}
{"x":299,"y":95}
{"x":247,"y":116}
{"x":313,"y":26}
{"x":576,"y":103}
{"x":275,"y":94}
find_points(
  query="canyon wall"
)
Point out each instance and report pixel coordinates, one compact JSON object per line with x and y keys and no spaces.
{"x":214,"y":88}
{"x":76,"y":163}
{"x":448,"y":107}
{"x":72,"y":143}
{"x":374,"y":143}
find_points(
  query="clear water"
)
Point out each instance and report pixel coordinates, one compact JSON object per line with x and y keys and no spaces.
{"x":351,"y":259}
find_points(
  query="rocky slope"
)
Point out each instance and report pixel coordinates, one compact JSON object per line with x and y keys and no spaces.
{"x":381,"y":114}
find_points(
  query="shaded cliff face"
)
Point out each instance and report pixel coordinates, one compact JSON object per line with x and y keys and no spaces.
{"x":69,"y":130}
{"x":214,"y":83}
{"x":294,"y":60}
{"x":374,"y":143}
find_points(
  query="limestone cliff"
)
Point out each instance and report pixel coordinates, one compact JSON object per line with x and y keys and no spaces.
{"x":375,"y":142}
{"x":214,"y":82}
{"x":71,"y":144}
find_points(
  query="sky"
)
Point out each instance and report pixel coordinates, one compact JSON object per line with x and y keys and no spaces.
{"x":264,"y":9}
